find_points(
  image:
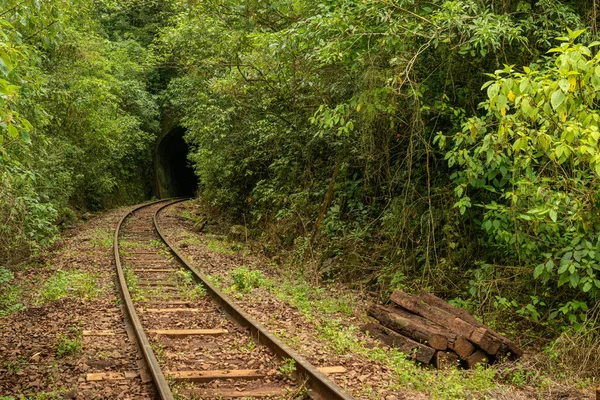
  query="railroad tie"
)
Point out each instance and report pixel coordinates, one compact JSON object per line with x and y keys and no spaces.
{"x":153,"y":270}
{"x":188,"y":332}
{"x":111,"y":376}
{"x":167,"y":302}
{"x":175,"y":310}
{"x":263,"y":391}
{"x":152,"y":283}
{"x":102,"y":333}
{"x":338,"y":369}
{"x":207,"y":376}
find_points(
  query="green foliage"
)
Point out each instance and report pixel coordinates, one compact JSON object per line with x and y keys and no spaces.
{"x":10,"y":294}
{"x":75,"y":283}
{"x":316,"y":120}
{"x":244,"y":279}
{"x":135,"y":290}
{"x":68,"y":344}
{"x":287,"y":367}
{"x":76,"y":120}
{"x":531,"y":166}
{"x":102,"y":238}
{"x":189,"y":289}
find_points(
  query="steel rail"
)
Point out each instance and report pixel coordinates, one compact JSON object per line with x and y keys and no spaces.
{"x":322,"y":387}
{"x":160,"y":383}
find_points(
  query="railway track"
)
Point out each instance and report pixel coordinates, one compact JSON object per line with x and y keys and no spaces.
{"x":196,"y":342}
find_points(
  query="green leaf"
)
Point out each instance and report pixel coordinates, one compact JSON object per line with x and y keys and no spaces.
{"x":25,"y":136}
{"x":13,"y":133}
{"x":563,"y":279}
{"x":574,"y":279}
{"x":564,"y":85}
{"x":587,"y":287}
{"x":501,"y":101}
{"x":493,"y":91}
{"x":3,"y":67}
{"x":557,"y":99}
{"x":553,"y":215}
{"x":538,"y":271}
{"x":7,"y":61}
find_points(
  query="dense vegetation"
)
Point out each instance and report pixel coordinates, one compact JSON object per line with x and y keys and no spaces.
{"x":77,"y":119}
{"x":356,"y":134}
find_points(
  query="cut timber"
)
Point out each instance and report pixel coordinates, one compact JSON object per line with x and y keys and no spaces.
{"x":102,"y":333}
{"x":410,"y":327}
{"x":264,"y":391}
{"x":332,"y":370}
{"x":476,"y":358}
{"x":417,"y":351}
{"x":188,"y":332}
{"x":465,"y":316}
{"x":173,"y":310}
{"x":482,"y":339}
{"x":445,"y":360}
{"x":207,"y":376}
{"x":105,"y":376}
{"x":462,"y":346}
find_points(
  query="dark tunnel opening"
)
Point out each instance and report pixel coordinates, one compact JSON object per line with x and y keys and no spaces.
{"x":175,"y":177}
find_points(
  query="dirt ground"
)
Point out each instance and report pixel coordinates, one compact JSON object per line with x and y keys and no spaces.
{"x":43,"y":353}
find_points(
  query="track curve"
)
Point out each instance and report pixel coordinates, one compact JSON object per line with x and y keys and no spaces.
{"x":314,"y":383}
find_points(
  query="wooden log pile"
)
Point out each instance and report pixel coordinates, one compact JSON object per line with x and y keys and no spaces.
{"x":434,"y":332}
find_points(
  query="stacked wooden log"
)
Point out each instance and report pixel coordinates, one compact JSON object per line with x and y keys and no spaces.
{"x":434,"y":332}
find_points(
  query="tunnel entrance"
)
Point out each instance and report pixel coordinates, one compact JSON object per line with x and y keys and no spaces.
{"x":175,"y":177}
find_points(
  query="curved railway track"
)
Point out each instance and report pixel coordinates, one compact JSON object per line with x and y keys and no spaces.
{"x":196,"y":342}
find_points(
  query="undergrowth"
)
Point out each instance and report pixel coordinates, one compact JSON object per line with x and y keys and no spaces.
{"x":326,"y":311}
{"x":10,"y":293}
{"x":102,"y":238}
{"x":135,"y":291}
{"x":74,"y":283}
{"x":68,"y":344}
{"x":189,"y":289}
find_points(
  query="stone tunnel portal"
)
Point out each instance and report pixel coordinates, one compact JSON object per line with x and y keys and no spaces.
{"x":174,"y":175}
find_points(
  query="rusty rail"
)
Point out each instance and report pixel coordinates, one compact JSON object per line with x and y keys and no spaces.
{"x":321,"y":386}
{"x":160,"y":383}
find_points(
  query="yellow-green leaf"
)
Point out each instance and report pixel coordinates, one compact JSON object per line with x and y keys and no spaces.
{"x":12,"y":132}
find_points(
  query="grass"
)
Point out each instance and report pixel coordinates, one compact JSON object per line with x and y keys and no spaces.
{"x":74,"y":283}
{"x":56,"y":394}
{"x":135,"y":291}
{"x":220,"y":245}
{"x":244,"y":279}
{"x":15,"y":366}
{"x":102,"y":238}
{"x":10,"y":294}
{"x":66,"y":345}
{"x":159,"y":350}
{"x":287,"y":367}
{"x":188,"y":287}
